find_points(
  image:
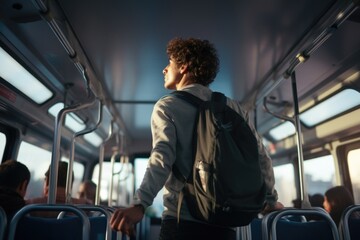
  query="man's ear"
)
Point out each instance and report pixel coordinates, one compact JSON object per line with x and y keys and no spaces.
{"x":183,"y":68}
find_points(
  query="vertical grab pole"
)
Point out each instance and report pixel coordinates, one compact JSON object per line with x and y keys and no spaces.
{"x":111,"y":186}
{"x":303,"y":192}
{"x":122,"y":144}
{"x":55,"y":157}
{"x":72,"y":152}
{"x":101,"y":160}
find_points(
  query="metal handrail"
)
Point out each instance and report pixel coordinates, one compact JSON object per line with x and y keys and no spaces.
{"x":101,"y":160}
{"x":72,"y":151}
{"x":55,"y":158}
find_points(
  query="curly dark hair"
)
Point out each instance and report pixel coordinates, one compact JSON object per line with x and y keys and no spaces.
{"x":200,"y":56}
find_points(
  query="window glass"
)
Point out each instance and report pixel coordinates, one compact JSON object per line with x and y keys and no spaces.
{"x":333,"y":106}
{"x":285,"y":184}
{"x":319,"y":174}
{"x":38,"y":161}
{"x":123,"y":183}
{"x":15,"y":74}
{"x":2,"y":144}
{"x":354,"y":170}
{"x":282,"y":131}
{"x":157,"y":207}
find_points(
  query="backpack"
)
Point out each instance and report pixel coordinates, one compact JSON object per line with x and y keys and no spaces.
{"x":226,"y":186}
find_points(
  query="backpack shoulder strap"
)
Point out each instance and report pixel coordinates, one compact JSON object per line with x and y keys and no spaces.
{"x":196,"y":102}
{"x":188,"y":97}
{"x":218,"y":104}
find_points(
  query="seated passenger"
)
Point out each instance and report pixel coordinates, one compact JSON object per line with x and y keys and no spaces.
{"x":336,"y":200}
{"x":87,"y":191}
{"x":316,"y":200}
{"x":61,"y":187}
{"x":14,"y":179}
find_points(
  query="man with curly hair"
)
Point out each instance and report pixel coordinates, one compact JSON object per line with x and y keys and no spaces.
{"x":193,"y":65}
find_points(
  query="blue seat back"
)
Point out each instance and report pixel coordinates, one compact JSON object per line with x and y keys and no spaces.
{"x":324,"y":229}
{"x":350,"y":222}
{"x":315,"y":230}
{"x":3,"y":223}
{"x":354,"y":228}
{"x":69,"y":228}
{"x":98,"y":227}
{"x":256,"y":229}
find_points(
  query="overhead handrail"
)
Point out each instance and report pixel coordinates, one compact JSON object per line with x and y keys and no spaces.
{"x":101,"y":160}
{"x":53,"y":14}
{"x":280,"y":116}
{"x":72,"y":151}
{"x":304,"y":55}
{"x":55,"y":158}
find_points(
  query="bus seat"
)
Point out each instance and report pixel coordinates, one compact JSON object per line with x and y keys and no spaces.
{"x":255,"y":226}
{"x":143,"y":228}
{"x":99,"y":225}
{"x":350,"y":224}
{"x":23,"y":226}
{"x":324,"y":229}
{"x":3,"y":223}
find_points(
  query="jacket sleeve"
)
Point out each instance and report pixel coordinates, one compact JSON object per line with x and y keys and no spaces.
{"x":161,"y":158}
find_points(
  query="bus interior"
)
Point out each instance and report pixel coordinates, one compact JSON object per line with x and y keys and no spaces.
{"x":79,"y":79}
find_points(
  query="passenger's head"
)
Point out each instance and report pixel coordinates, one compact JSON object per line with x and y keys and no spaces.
{"x":14,"y":175}
{"x":336,"y":200}
{"x":316,"y":200}
{"x":87,"y":190}
{"x":62,"y":176}
{"x":199,"y":56}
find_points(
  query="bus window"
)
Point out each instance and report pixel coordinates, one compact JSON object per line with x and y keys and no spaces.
{"x":123,"y":183}
{"x":354,"y":171}
{"x":157,"y":207}
{"x":78,"y":170}
{"x":285,"y":184}
{"x":2,"y":144}
{"x":38,"y":161}
{"x":319,"y":174}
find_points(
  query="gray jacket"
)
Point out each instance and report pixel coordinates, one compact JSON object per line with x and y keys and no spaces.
{"x":172,"y":124}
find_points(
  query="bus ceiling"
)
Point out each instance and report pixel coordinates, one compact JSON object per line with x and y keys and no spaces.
{"x":115,"y":51}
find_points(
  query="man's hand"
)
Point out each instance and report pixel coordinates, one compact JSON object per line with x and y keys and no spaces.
{"x":124,"y":219}
{"x":276,"y":207}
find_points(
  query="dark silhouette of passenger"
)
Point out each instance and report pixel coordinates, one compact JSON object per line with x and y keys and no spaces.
{"x":317,"y":200}
{"x":14,"y":179}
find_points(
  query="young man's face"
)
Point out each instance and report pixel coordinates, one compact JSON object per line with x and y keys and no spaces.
{"x":172,"y":75}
